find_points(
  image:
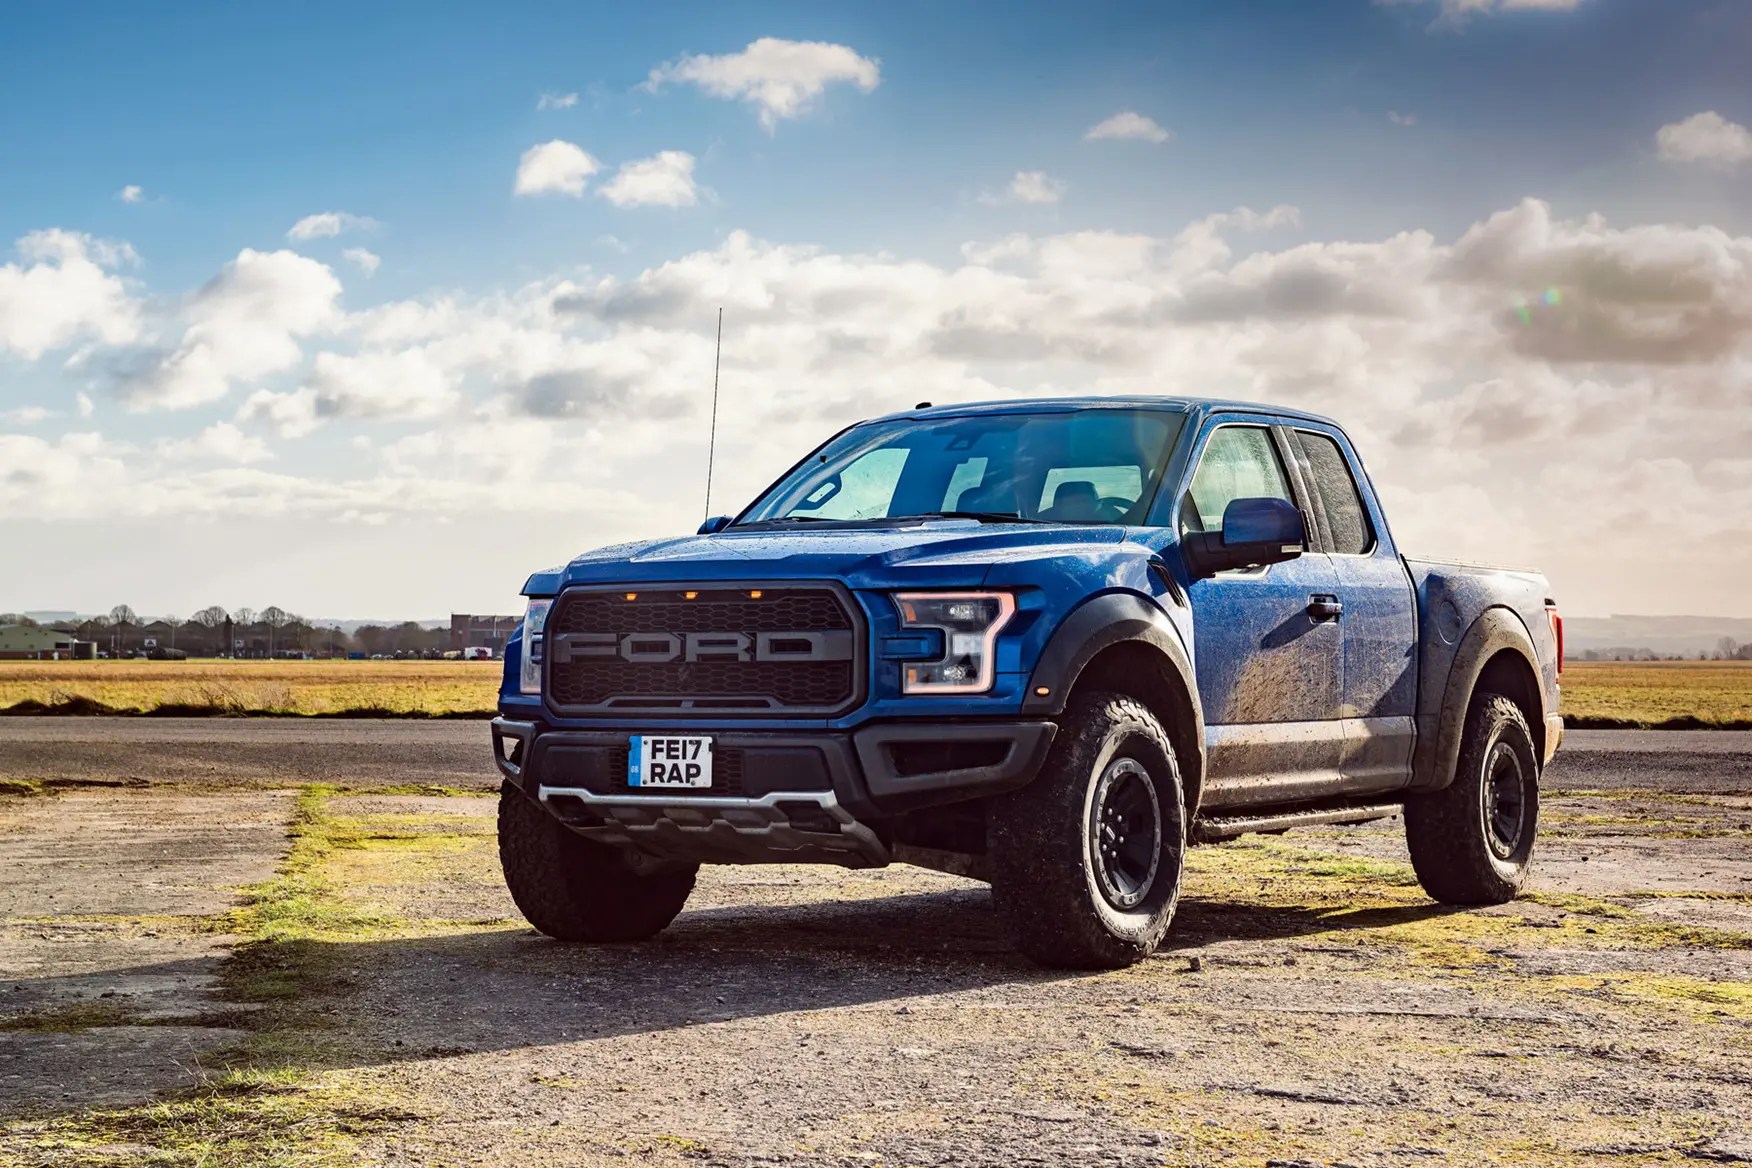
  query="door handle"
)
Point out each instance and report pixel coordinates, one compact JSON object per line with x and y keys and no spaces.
{"x":1325,"y":607}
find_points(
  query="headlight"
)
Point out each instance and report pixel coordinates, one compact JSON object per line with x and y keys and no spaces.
{"x":970,"y":622}
{"x":533,"y":622}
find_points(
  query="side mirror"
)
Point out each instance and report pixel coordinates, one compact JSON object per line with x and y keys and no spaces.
{"x":714,"y":525}
{"x":1256,"y":532}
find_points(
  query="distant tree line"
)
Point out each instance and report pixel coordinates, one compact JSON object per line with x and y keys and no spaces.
{"x":1727,"y":649}
{"x":270,"y":633}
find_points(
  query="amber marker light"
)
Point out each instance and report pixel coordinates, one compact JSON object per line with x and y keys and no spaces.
{"x":755,"y":595}
{"x":632,"y":596}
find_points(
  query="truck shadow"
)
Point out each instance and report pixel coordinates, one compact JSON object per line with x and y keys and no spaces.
{"x":374,"y":1001}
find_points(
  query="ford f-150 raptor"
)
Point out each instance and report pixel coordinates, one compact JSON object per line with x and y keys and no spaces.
{"x":1046,"y":643}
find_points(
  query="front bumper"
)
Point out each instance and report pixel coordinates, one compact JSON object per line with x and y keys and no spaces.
{"x":785,"y":796}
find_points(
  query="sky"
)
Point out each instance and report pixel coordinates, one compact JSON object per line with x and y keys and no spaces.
{"x":373,"y":310}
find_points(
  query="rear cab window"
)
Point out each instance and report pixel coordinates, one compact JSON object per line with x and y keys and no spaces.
{"x":1344,"y":519}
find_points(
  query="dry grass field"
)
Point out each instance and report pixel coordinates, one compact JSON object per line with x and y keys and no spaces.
{"x":1713,"y":692}
{"x":257,"y":687}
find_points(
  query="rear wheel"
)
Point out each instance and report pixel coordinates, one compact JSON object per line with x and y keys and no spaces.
{"x":576,"y":889}
{"x":1085,"y":860}
{"x":1472,"y":842}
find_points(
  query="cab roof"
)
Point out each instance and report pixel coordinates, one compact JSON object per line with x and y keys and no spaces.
{"x":1198,"y":406}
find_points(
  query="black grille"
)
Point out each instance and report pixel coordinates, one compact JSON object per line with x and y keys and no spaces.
{"x":610,"y":683}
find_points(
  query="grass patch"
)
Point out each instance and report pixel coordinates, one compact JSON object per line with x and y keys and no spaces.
{"x":1265,"y":888}
{"x":300,"y":903}
{"x":429,"y":790}
{"x":235,"y":1121}
{"x":71,"y":1017}
{"x":1714,"y":998}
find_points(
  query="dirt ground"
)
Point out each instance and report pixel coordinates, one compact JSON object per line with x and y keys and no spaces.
{"x":370,"y":998}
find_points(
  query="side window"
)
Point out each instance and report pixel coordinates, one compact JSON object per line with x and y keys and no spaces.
{"x":1336,"y":495}
{"x":863,"y":490}
{"x":1239,"y":462}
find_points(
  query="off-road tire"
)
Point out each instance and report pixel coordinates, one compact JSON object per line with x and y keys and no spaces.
{"x":1048,"y":868}
{"x":576,"y":889}
{"x":1460,"y":857}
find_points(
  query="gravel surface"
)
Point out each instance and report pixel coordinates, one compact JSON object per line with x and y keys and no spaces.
{"x":1312,"y":1007}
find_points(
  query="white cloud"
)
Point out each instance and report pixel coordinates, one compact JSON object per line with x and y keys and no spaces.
{"x":130,"y":194}
{"x":402,"y":384}
{"x":26,"y":415}
{"x":557,"y":167}
{"x":1455,"y":13}
{"x":65,"y":291}
{"x":56,"y":478}
{"x":1400,"y":119}
{"x":83,"y":403}
{"x":1531,"y":366}
{"x":663,"y":180}
{"x":783,"y":78}
{"x":1706,"y":137}
{"x":1128,"y":124}
{"x":245,"y":324}
{"x":1028,"y":186}
{"x":221,"y":442}
{"x":328,"y":224}
{"x":556,"y":101}
{"x":366,"y":261}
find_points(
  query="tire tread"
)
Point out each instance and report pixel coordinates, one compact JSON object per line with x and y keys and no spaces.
{"x":1443,"y":829}
{"x":576,"y":889}
{"x":1035,"y":844}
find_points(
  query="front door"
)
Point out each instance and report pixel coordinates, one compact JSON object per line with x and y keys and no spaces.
{"x":1269,"y":663}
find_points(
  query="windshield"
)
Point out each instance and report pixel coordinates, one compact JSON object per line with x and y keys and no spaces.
{"x":1077,"y":466}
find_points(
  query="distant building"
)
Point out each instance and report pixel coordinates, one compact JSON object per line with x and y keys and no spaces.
{"x":468,"y":631}
{"x":23,"y":643}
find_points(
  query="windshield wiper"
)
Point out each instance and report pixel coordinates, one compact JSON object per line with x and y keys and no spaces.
{"x":981,"y":516}
{"x":788,"y":519}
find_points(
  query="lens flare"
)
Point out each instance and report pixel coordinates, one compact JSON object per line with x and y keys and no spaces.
{"x":1524,"y":310}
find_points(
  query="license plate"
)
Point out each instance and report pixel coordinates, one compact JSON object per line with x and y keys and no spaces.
{"x":665,"y":761}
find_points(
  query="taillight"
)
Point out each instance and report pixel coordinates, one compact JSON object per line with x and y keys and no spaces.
{"x":1556,"y":631}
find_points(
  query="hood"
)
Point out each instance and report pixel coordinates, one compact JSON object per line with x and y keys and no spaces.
{"x":950,"y":552}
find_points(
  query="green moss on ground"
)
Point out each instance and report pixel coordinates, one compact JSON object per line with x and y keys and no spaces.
{"x":72,"y":1016}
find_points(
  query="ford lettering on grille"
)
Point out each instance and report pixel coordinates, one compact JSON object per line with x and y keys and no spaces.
{"x":661,"y":648}
{"x":723,"y":648}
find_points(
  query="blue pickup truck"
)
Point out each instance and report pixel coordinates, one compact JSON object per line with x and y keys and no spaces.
{"x":1049,"y":644}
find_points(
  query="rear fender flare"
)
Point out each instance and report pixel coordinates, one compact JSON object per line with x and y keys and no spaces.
{"x":1442,"y":720}
{"x":1100,"y":623}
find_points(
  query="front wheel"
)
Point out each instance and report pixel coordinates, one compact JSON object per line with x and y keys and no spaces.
{"x":1472,"y":842}
{"x":577,"y":889}
{"x":1085,"y":860}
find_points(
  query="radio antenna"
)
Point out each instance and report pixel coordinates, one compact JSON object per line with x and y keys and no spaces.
{"x":712,"y":442}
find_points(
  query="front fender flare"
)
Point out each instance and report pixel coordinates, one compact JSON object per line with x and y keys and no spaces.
{"x":1110,"y":619}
